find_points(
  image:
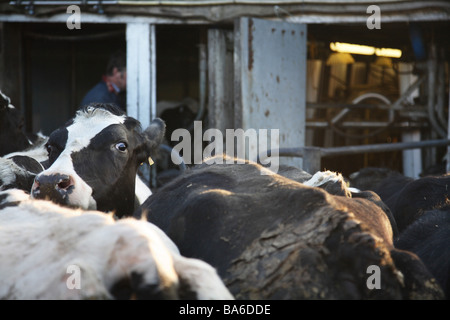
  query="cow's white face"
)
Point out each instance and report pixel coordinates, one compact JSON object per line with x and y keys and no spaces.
{"x":93,"y":161}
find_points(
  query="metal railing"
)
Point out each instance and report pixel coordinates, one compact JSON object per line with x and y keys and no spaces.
{"x":312,"y":156}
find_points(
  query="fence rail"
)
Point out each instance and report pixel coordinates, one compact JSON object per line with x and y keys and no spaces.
{"x":312,"y":156}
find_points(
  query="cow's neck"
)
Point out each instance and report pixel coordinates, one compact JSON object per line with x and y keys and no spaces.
{"x":121,"y":199}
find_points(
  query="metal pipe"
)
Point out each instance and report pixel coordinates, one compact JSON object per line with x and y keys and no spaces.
{"x":440,"y":94}
{"x":352,"y":106}
{"x":364,"y":124}
{"x":397,"y":104}
{"x":99,"y":36}
{"x":431,"y":94}
{"x":383,"y":147}
{"x":202,"y":80}
{"x":319,"y":152}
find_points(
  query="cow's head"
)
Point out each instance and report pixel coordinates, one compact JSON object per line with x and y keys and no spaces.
{"x":94,"y":158}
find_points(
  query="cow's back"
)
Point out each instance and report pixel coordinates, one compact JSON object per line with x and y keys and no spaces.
{"x":273,"y":238}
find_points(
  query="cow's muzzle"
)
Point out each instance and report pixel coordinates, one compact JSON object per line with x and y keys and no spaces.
{"x":54,"y":187}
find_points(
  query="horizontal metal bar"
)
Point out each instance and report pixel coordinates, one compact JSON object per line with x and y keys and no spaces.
{"x":382,"y":147}
{"x":352,"y":106}
{"x":62,"y":3}
{"x":365,"y":124}
{"x":346,"y":150}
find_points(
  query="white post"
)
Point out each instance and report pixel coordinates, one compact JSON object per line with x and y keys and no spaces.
{"x":141,"y":79}
{"x":412,"y":159}
{"x":141,"y":72}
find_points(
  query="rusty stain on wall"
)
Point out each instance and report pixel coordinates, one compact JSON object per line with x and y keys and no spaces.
{"x":250,"y":44}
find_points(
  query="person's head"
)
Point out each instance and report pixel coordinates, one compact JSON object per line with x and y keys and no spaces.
{"x":116,"y":69}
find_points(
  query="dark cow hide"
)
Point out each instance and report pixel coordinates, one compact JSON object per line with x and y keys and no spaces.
{"x":429,"y":238}
{"x":12,"y":129}
{"x":271,"y":237}
{"x":406,"y":197}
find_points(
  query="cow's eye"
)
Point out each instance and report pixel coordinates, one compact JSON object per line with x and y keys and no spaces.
{"x":121,"y":146}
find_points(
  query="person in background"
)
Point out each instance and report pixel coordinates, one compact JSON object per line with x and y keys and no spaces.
{"x":112,"y":87}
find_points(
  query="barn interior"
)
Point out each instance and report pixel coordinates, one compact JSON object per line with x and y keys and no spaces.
{"x":351,"y":99}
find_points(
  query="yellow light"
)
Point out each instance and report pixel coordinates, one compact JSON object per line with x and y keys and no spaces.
{"x":387,"y":52}
{"x":352,"y":48}
{"x":365,"y":50}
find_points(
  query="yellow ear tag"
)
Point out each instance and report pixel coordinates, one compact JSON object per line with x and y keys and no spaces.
{"x":150,"y":161}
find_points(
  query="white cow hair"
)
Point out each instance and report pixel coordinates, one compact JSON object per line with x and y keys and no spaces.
{"x":41,"y":240}
{"x":87,"y":125}
{"x":8,"y":171}
{"x":322,"y":177}
{"x":14,"y":195}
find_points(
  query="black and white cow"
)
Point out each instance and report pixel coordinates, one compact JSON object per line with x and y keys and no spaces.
{"x":271,"y":237}
{"x":429,"y":238}
{"x":406,"y":197}
{"x":94,"y":158}
{"x":52,"y":252}
{"x":19,"y":168}
{"x":18,"y":172}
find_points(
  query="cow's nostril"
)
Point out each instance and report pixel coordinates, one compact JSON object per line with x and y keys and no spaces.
{"x":64,"y":183}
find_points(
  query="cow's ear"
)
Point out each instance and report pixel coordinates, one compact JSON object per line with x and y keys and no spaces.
{"x":154,"y":135}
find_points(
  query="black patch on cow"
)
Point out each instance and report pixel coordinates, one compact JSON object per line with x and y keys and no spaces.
{"x":24,"y":179}
{"x":417,"y":278}
{"x":429,"y":238}
{"x":121,"y":289}
{"x":56,"y":144}
{"x":5,"y":204}
{"x":373,"y":197}
{"x":132,"y":124}
{"x":407,"y":198}
{"x":12,"y":133}
{"x":134,"y":287}
{"x":418,"y":196}
{"x":372,"y":178}
{"x":28,"y":163}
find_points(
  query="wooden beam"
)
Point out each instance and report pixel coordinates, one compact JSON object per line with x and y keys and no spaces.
{"x":141,"y":72}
